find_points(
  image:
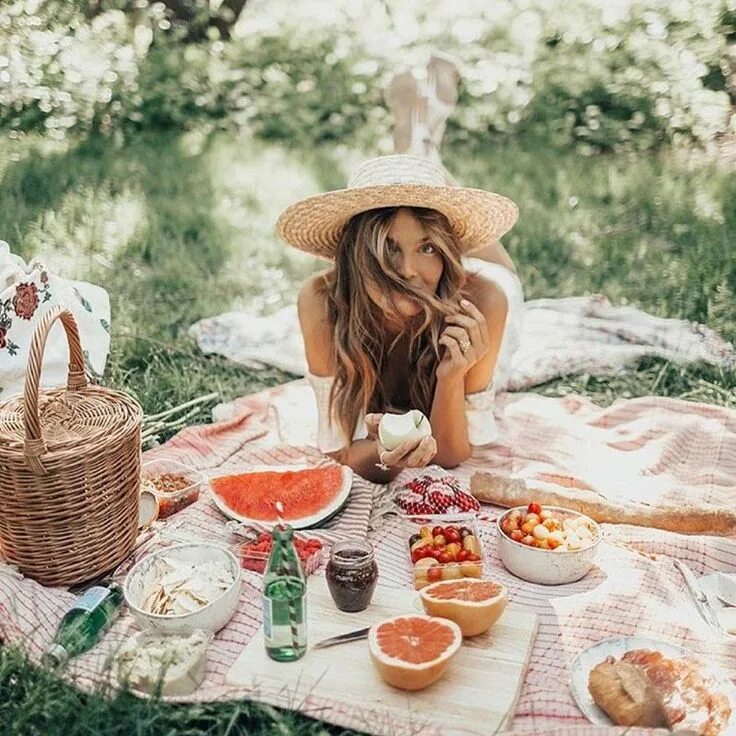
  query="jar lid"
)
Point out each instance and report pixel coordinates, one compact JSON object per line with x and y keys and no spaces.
{"x":352,"y":553}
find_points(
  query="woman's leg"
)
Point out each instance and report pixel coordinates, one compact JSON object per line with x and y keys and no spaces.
{"x":443,"y":77}
{"x":402,"y":96}
{"x":420,"y":118}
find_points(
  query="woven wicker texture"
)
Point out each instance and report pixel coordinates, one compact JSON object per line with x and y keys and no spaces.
{"x":69,"y":471}
{"x":478,"y":217}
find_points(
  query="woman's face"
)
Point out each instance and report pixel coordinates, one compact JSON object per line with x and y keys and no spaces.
{"x":415,"y":258}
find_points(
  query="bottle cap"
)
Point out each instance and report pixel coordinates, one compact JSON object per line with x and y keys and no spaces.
{"x":55,"y":655}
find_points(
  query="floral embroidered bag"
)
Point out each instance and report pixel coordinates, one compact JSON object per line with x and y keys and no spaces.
{"x":29,"y":290}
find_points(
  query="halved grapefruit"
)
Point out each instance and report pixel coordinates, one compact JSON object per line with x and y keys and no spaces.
{"x":474,"y":605}
{"x":309,"y":495}
{"x":412,"y":652}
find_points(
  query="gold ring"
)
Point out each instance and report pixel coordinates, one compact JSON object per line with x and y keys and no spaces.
{"x":382,"y":465}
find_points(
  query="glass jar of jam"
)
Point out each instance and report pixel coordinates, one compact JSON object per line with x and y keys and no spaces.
{"x":352,"y":574}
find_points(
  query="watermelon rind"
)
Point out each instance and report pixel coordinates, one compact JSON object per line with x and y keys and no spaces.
{"x":305,"y":522}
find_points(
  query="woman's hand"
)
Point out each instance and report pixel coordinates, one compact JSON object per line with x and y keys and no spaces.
{"x":410,"y":454}
{"x":466,"y":341}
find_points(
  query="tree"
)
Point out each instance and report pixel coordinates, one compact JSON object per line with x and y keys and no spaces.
{"x":193,"y":17}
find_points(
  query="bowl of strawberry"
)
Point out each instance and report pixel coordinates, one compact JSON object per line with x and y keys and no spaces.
{"x":254,"y":554}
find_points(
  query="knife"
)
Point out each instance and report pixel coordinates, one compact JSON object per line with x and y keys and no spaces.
{"x":342,"y":638}
{"x":698,"y":595}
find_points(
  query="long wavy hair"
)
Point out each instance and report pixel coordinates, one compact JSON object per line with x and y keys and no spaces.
{"x":361,"y":340}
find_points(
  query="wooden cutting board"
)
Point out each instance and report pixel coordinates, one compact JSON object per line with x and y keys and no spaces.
{"x":340,"y":685}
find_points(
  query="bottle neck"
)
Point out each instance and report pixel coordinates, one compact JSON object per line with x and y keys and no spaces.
{"x":55,"y":656}
{"x":283,"y":560}
{"x":282,"y":534}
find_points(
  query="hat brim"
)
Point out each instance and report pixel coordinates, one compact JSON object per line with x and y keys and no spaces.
{"x":477,"y":217}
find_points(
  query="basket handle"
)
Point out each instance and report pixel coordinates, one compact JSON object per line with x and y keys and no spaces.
{"x":35,"y":446}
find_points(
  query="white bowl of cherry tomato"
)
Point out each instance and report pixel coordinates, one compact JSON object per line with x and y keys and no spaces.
{"x":444,"y":549}
{"x":547,"y":544}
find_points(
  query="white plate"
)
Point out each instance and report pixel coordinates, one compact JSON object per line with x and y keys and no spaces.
{"x":709,"y":585}
{"x":617,"y":647}
{"x":302,"y":523}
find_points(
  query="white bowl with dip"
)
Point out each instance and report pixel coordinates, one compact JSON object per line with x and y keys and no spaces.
{"x":545,"y":566}
{"x":210,"y":617}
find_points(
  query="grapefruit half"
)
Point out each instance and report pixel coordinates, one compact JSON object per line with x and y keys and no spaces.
{"x":309,"y":495}
{"x":474,"y":605}
{"x":412,"y":652}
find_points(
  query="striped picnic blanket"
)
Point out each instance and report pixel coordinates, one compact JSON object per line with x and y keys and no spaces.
{"x":633,"y":589}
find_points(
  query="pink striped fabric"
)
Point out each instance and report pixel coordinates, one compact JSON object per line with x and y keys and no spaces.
{"x":634,"y":588}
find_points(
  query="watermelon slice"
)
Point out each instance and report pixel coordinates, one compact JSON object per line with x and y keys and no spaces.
{"x":309,"y":495}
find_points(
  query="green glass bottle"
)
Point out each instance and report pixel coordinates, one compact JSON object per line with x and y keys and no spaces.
{"x":84,"y":624}
{"x":284,"y":599}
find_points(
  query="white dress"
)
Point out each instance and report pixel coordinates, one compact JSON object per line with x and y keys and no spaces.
{"x":482,"y":427}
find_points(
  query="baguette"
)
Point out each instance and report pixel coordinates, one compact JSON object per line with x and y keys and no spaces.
{"x":508,"y":492}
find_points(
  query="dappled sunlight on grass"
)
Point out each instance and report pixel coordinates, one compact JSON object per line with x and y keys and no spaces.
{"x":253,"y":182}
{"x":177,"y":228}
{"x":87,"y":230}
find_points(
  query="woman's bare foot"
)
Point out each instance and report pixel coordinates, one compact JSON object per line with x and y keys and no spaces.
{"x":401,"y":96}
{"x":443,"y":76}
{"x":446,"y":70}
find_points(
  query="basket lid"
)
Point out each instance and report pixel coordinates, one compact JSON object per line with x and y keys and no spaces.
{"x":65,"y":421}
{"x":70,"y":420}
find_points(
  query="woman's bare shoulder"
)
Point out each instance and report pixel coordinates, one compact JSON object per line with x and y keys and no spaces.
{"x":312,"y":299}
{"x":315,"y":323}
{"x":487,"y":295}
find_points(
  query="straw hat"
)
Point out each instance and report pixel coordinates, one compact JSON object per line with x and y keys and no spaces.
{"x":478,"y":217}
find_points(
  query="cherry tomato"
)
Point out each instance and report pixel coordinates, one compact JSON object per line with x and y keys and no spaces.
{"x":437,"y":552}
{"x":421,"y":553}
{"x":434,"y":574}
{"x":472,"y":557}
{"x":437,"y":531}
{"x":452,"y":534}
{"x":462,"y":555}
{"x":534,"y":508}
{"x":517,"y":535}
{"x":446,"y":557}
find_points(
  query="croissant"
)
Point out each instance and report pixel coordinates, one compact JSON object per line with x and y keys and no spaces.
{"x":626,"y":695}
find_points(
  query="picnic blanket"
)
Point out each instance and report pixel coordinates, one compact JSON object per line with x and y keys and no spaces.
{"x":633,"y":589}
{"x":558,"y":337}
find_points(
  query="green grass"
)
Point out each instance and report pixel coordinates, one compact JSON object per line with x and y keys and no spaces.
{"x":178,"y":228}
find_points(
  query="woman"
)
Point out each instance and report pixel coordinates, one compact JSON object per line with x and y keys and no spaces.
{"x":404,"y":319}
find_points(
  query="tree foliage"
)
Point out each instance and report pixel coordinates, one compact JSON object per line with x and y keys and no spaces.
{"x":630,"y":74}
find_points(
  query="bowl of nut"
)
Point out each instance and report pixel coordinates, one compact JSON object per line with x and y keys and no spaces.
{"x":547,"y":544}
{"x":174,"y":485}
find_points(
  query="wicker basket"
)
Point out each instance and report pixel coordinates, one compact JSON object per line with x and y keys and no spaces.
{"x":69,"y":471}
